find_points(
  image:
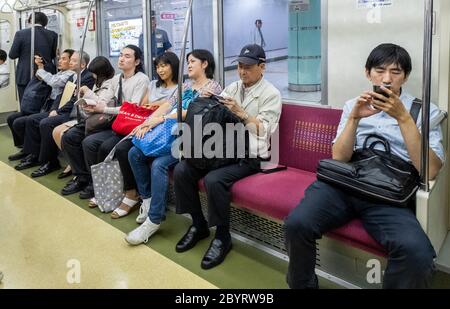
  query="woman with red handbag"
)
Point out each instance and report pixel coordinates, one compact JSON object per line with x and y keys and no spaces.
{"x":84,"y":151}
{"x":158,"y":91}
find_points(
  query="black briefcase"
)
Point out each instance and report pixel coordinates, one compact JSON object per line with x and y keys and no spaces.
{"x":376,"y":175}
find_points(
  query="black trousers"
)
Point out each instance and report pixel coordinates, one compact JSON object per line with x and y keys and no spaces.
{"x":324,"y":208}
{"x":16,"y":123}
{"x":82,"y":151}
{"x":217,"y":182}
{"x":121,"y":154}
{"x":38,"y":136}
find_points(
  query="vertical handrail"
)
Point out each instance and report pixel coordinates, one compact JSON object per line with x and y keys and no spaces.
{"x":324,"y":51}
{"x":32,"y":44}
{"x":146,"y":7}
{"x":83,"y":38}
{"x":181,"y":69}
{"x":218,"y":42}
{"x":426,"y":95}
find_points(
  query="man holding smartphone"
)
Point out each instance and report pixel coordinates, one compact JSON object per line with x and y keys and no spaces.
{"x":258,"y":104}
{"x":326,"y":207}
{"x":17,"y":121}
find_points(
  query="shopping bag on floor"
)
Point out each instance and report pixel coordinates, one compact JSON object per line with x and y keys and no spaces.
{"x":108,"y":182}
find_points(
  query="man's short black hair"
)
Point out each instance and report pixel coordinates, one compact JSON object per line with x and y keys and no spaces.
{"x":3,"y":55}
{"x":69,"y":52}
{"x":39,"y":18}
{"x":386,"y":54}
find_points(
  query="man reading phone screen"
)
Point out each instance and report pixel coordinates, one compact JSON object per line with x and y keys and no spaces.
{"x":326,"y":207}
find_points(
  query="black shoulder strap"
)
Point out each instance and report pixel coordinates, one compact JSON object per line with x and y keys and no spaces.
{"x":415,"y":109}
{"x":120,"y":94}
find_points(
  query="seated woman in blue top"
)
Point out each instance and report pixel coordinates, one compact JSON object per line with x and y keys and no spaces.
{"x":152,"y":173}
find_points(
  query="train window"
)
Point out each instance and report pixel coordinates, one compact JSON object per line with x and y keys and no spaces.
{"x":68,"y":20}
{"x":121,"y":25}
{"x":5,"y":44}
{"x":289,"y":32}
{"x":167,"y":26}
{"x":355,"y":28}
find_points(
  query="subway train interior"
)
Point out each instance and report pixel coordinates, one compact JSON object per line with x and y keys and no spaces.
{"x":315,"y":55}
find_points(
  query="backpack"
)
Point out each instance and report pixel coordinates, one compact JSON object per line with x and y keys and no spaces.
{"x":211,"y":112}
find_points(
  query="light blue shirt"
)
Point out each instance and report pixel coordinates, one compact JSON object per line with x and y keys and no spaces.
{"x":384,"y":125}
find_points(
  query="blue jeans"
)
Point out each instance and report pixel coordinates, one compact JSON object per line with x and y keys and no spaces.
{"x":145,"y":170}
{"x":324,"y":208}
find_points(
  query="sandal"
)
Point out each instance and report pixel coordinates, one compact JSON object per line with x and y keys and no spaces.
{"x":119,"y":212}
{"x":93,"y":203}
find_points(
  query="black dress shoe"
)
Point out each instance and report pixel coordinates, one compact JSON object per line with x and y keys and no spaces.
{"x":216,"y":253}
{"x":73,"y":186}
{"x":45,"y":169}
{"x":29,"y":161}
{"x":87,"y":192}
{"x":190,"y":239}
{"x":64,"y":174}
{"x":17,"y":156}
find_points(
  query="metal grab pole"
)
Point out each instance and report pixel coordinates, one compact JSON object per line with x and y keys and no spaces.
{"x":83,"y":38}
{"x":181,"y":70}
{"x":33,"y":33}
{"x":426,"y":95}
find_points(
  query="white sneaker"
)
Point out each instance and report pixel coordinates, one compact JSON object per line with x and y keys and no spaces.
{"x":143,"y":211}
{"x":142,"y":233}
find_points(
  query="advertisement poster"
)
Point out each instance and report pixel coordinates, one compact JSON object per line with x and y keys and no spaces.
{"x":171,"y":19}
{"x":122,"y":33}
{"x":370,"y":4}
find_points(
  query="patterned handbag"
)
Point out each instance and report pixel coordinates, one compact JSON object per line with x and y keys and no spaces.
{"x":108,"y":182}
{"x":158,"y":141}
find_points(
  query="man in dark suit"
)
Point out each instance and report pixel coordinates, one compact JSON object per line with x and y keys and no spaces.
{"x":45,"y":45}
{"x":39,"y":143}
{"x":46,"y":42}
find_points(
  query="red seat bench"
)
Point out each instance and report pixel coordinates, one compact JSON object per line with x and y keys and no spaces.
{"x":306,"y":135}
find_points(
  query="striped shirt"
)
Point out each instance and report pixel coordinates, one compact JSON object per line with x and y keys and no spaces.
{"x":56,"y":81}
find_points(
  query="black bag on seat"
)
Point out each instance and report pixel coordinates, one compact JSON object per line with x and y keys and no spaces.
{"x":377,"y":175}
{"x":35,"y":96}
{"x":211,"y":112}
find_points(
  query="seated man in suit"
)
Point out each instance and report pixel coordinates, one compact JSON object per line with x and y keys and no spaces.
{"x":39,"y":143}
{"x":17,"y":121}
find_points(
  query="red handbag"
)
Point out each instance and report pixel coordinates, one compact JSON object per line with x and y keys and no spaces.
{"x":130,"y":116}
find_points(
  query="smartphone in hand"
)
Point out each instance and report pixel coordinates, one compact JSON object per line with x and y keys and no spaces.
{"x":217,"y":98}
{"x":43,"y":59}
{"x":377,"y":89}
